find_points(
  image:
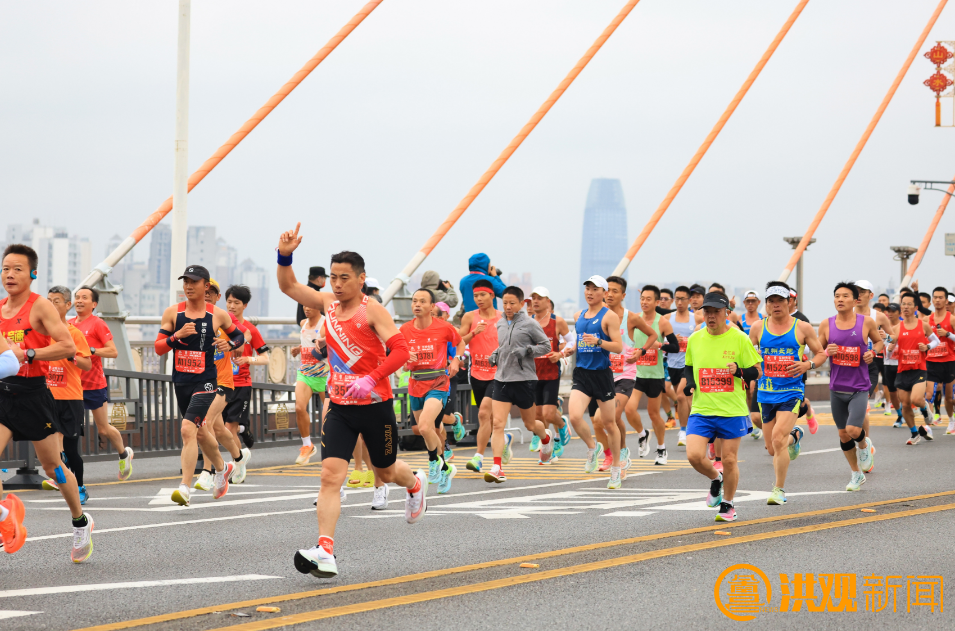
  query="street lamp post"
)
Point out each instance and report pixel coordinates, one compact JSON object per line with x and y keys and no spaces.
{"x":794,"y":242}
{"x":903,"y":253}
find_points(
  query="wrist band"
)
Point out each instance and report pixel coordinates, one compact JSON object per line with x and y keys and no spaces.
{"x":283,"y":260}
{"x":826,"y":351}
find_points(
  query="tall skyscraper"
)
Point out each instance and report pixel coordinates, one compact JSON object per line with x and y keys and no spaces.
{"x":160,"y":252}
{"x":604,"y":237}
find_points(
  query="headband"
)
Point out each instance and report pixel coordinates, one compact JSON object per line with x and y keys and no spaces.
{"x":782,"y":292}
{"x":480,"y":289}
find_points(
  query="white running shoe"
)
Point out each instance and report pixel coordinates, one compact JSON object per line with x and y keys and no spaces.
{"x":757,"y":433}
{"x":181,"y":495}
{"x":951,"y":428}
{"x":239,"y":476}
{"x":82,"y":541}
{"x":126,"y":465}
{"x":204,"y":481}
{"x":926,"y":432}
{"x":220,"y":484}
{"x":643,"y":444}
{"x":661,"y":456}
{"x":416,"y":504}
{"x":317,"y":562}
{"x":681,"y":439}
{"x":866,"y":459}
{"x":858,"y":479}
{"x":546,"y":450}
{"x":380,"y":499}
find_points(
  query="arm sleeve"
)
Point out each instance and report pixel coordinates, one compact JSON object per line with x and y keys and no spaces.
{"x":672,"y":345}
{"x":162,"y":342}
{"x":398,"y":355}
{"x":236,"y":337}
{"x":924,"y":311}
{"x":690,"y":381}
{"x":663,"y":311}
{"x":9,"y":364}
{"x":933,"y":341}
{"x":569,"y":341}
{"x":751,"y":373}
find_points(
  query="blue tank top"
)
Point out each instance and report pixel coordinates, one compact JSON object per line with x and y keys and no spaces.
{"x":779,"y":351}
{"x":684,"y":329}
{"x":589,"y":356}
{"x":747,"y":327}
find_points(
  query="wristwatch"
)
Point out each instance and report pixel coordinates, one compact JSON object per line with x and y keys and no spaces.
{"x":812,"y":365}
{"x":30,"y":354}
{"x":92,"y":351}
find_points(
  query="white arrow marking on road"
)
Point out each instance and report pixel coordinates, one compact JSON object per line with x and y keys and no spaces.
{"x":65,"y":589}
{"x":16,"y":614}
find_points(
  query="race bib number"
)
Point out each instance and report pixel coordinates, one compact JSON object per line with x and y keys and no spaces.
{"x":235,"y":368}
{"x":909,"y":357}
{"x":307,"y":358}
{"x":683,"y":341}
{"x":426,"y":355}
{"x":846,"y":356}
{"x":481,"y":362}
{"x":338,"y":384}
{"x":218,"y":356}
{"x":616,"y":362}
{"x":648,"y":358}
{"x":716,"y":380}
{"x":193,"y":362}
{"x":56,"y":377}
{"x":777,"y":365}
{"x":939,"y":351}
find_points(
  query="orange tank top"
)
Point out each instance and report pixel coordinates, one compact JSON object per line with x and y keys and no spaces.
{"x":17,"y":330}
{"x":224,"y":374}
{"x":354,"y":350}
{"x":482,"y":345}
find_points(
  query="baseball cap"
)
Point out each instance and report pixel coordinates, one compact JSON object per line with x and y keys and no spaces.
{"x":951,"y":297}
{"x":893,"y":306}
{"x":318,"y":270}
{"x":752,"y":293}
{"x":195,"y":272}
{"x":697,"y":289}
{"x":541,"y":291}
{"x":215,"y":284}
{"x":443,"y":306}
{"x":717,"y":300}
{"x":597,"y":281}
{"x":864,"y":284}
{"x":371,"y":283}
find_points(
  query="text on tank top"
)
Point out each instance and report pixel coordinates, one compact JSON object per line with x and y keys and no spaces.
{"x":18,"y":332}
{"x":847,"y":370}
{"x":779,"y":353}
{"x":650,"y":364}
{"x":546,"y":369}
{"x":482,"y":345}
{"x":907,"y":348}
{"x":194,"y":356}
{"x":591,"y":356}
{"x":354,"y":350}
{"x":944,"y":351}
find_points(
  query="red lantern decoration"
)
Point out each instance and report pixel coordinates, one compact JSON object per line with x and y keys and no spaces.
{"x":937,"y":83}
{"x":938,"y":55}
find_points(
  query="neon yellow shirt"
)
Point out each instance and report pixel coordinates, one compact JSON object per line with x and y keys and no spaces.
{"x":718,"y":393}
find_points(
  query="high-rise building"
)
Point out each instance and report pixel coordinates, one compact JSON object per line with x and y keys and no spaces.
{"x":227,"y":259}
{"x":61,"y":259}
{"x":604,"y":236}
{"x":160,"y":253}
{"x":202,"y":248}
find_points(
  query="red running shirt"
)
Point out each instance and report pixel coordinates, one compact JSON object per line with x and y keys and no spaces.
{"x":431,"y":347}
{"x":354,"y":350}
{"x":244,"y":376}
{"x":17,"y":331}
{"x":97,"y":334}
{"x":907,"y":348}
{"x":482,"y":345}
{"x":944,"y":352}
{"x":546,"y":369}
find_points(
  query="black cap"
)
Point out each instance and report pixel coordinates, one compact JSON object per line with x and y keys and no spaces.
{"x":893,"y":306}
{"x":697,"y":289}
{"x":317,"y":271}
{"x":196,"y":272}
{"x":717,"y":300}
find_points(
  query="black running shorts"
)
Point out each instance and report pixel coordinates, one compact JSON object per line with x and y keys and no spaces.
{"x":70,"y":414}
{"x":596,"y":384}
{"x":623,"y":386}
{"x":888,"y":376}
{"x":452,"y":398}
{"x":546,"y":392}
{"x":676,"y":376}
{"x":650,"y":387}
{"x":237,"y":406}
{"x":907,"y":379}
{"x":519,"y":393}
{"x":480,"y":388}
{"x":940,"y":372}
{"x":28,"y":409}
{"x":195,"y":399}
{"x":374,"y":422}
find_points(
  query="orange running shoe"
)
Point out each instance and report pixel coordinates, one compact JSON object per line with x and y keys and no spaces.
{"x":12,"y":531}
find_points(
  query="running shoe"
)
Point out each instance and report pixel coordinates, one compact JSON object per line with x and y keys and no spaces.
{"x":718,"y":465}
{"x":317,"y":562}
{"x":12,"y":531}
{"x":661,"y":456}
{"x":416,"y":504}
{"x":474,"y":464}
{"x":591,"y":465}
{"x":560,"y":405}
{"x":727,"y":512}
{"x":936,"y":418}
{"x":458,"y":428}
{"x":866,"y":457}
{"x":914,"y":439}
{"x":354,"y":480}
{"x":220,"y":484}
{"x":341,"y":496}
{"x":496,"y":474}
{"x":181,"y":495}
{"x":671,"y":423}
{"x":812,"y":424}
{"x":535,"y":443}
{"x":245,"y":433}
{"x":777,"y":497}
{"x":506,"y":458}
{"x":547,"y":451}
{"x":558,"y":450}
{"x":926,"y":432}
{"x":605,"y":465}
{"x":380,"y":499}
{"x":305,"y":454}
{"x":84,"y":496}
{"x":240,"y":467}
{"x":715,"y":495}
{"x":625,"y":461}
{"x":125,"y":468}
{"x":50,"y":485}
{"x":444,"y":485}
{"x":888,"y":412}
{"x":615,"y":481}
{"x":681,"y":438}
{"x":643,"y":444}
{"x":795,"y":448}
{"x":564,"y":432}
{"x":899,"y":423}
{"x":757,"y":433}
{"x":368,"y":479}
{"x":204,"y":481}
{"x":448,"y":455}
{"x":711,"y":451}
{"x":434,"y":472}
{"x":858,"y":479}
{"x":82,"y":541}
{"x":951,"y":428}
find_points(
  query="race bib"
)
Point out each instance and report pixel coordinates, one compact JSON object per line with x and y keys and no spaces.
{"x":338,"y":384}
{"x":56,"y":377}
{"x":683,"y":342}
{"x":939,"y":351}
{"x":193,"y":362}
{"x":481,"y":362}
{"x":716,"y":380}
{"x":426,"y":355}
{"x":846,"y":356}
{"x":649,"y":358}
{"x":218,"y":356}
{"x":909,"y":357}
{"x":777,"y":365}
{"x":307,"y":358}
{"x":235,"y":368}
{"x":616,"y":362}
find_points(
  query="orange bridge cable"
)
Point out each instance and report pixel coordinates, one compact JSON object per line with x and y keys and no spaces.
{"x":231,"y":143}
{"x":463,"y":205}
{"x":914,"y":265}
{"x":861,"y":144}
{"x":665,"y":204}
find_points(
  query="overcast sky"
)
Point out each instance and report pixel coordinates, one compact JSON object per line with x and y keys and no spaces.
{"x":375,"y":148}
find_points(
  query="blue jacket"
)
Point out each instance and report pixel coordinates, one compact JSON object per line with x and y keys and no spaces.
{"x":478,"y":264}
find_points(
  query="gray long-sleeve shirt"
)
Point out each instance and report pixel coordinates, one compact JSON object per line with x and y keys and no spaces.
{"x":519,"y":341}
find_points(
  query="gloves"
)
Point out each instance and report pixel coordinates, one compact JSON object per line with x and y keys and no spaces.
{"x":360,"y":388}
{"x":492,"y":359}
{"x":520,"y":352}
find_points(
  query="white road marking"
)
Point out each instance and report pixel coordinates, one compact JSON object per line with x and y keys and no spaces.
{"x":67,"y":589}
{"x":819,"y":451}
{"x":629,"y":513}
{"x":751,"y":496}
{"x":16,"y":614}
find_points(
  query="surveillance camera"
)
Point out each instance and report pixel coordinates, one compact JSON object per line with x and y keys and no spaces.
{"x":914,"y":191}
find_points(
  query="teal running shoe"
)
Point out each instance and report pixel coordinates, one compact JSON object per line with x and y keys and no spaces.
{"x":558,"y":451}
{"x":593,"y":459}
{"x":715,"y":495}
{"x":507,"y":449}
{"x":448,"y":455}
{"x":434,"y":471}
{"x":625,"y":458}
{"x":458,"y":428}
{"x":858,"y":479}
{"x":535,"y":443}
{"x":474,"y":464}
{"x":564,"y":432}
{"x":83,"y":495}
{"x":796,"y":447}
{"x":444,"y":485}
{"x":777,"y":497}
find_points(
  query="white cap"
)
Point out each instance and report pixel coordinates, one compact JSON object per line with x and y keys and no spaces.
{"x":864,"y":284}
{"x":541,"y":291}
{"x":598,"y":281}
{"x":372,"y":283}
{"x":752,"y":293}
{"x":951,"y":297}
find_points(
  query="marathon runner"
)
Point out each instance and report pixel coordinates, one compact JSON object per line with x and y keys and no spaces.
{"x":666,"y":299}
{"x":681,"y":321}
{"x":64,"y":380}
{"x":189,"y":329}
{"x":782,"y":340}
{"x":359,"y":333}
{"x":598,"y":335}
{"x":519,"y":340}
{"x":718,"y":359}
{"x":254,"y":353}
{"x":845,"y":337}
{"x":940,"y":362}
{"x":37,"y":336}
{"x":429,"y":387}
{"x":548,"y":367}
{"x":890,"y":366}
{"x":911,"y":341}
{"x":95,"y":387}
{"x":479,"y":332}
{"x":310,"y":379}
{"x":863,"y":307}
{"x":450,"y":416}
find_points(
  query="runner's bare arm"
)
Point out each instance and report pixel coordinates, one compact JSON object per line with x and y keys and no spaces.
{"x":812,"y":343}
{"x":824,"y":338}
{"x":754,"y":332}
{"x":635,"y":321}
{"x":45,"y":319}
{"x":611,"y":326}
{"x":871,"y":331}
{"x":222,"y":320}
{"x":562,"y":328}
{"x":302,"y":294}
{"x":465,"y":330}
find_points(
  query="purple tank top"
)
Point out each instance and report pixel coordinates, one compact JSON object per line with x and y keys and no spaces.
{"x":847,"y":370}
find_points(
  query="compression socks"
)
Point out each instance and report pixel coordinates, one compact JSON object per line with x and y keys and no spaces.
{"x":80,"y":522}
{"x":432,"y":455}
{"x":937,"y":400}
{"x":71,"y":450}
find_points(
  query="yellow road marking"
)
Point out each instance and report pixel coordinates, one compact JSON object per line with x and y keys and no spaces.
{"x":373,"y":605}
{"x":408,"y":578}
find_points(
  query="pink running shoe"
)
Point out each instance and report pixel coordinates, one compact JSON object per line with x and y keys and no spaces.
{"x":605,"y":465}
{"x":718,"y":465}
{"x":811,"y":422}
